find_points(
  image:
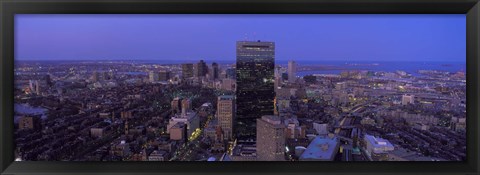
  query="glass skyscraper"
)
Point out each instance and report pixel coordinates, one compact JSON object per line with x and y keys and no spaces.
{"x":255,"y":85}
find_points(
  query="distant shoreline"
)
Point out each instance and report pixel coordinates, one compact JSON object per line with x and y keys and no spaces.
{"x":233,"y":61}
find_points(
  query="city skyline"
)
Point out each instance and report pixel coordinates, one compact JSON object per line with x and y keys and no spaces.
{"x":256,"y":107}
{"x":352,"y":115}
{"x":322,"y":37}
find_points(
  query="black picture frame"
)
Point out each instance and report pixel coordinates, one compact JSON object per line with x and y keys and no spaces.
{"x":8,"y":8}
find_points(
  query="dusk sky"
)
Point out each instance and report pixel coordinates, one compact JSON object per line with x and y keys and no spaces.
{"x":213,"y":37}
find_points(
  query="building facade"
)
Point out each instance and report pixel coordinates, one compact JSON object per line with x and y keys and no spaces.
{"x":270,"y":139}
{"x":202,"y":69}
{"x":225,"y":114}
{"x":187,"y":70}
{"x":255,"y":85}
{"x":292,"y":71}
{"x":215,"y":71}
{"x":164,"y":75}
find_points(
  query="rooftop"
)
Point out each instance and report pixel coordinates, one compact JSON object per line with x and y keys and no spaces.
{"x":225,"y":97}
{"x":188,"y":116}
{"x":378,"y":142}
{"x":321,"y":149}
{"x":272,"y":119}
{"x":245,"y":149}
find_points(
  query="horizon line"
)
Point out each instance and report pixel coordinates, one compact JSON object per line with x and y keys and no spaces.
{"x":223,"y":60}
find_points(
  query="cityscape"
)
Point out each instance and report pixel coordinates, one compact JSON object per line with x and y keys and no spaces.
{"x":253,"y":107}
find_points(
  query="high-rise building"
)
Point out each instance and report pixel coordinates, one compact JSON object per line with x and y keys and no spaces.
{"x":179,"y":132}
{"x":293,"y":129}
{"x":270,"y":139}
{"x":292,"y":71}
{"x":223,"y":74}
{"x":187,"y":70}
{"x":153,"y":76}
{"x":225,"y":114}
{"x":38,"y":87}
{"x":278,"y":72}
{"x":47,"y":78}
{"x":215,"y":71}
{"x":95,"y":76}
{"x":255,"y":85}
{"x":31,"y":84}
{"x":164,"y":75}
{"x":176,"y":105}
{"x":186,"y":106}
{"x":191,"y":119}
{"x":202,"y":69}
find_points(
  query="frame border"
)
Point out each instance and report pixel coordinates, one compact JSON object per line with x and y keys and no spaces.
{"x":8,"y":8}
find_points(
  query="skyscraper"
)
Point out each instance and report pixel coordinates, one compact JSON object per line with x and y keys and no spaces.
{"x":225,"y":114}
{"x":255,"y":85}
{"x":48,"y":79}
{"x":187,"y":70}
{"x":202,"y":68}
{"x":38,"y":87}
{"x":164,"y":75}
{"x":176,"y":105}
{"x":270,"y":139}
{"x":292,"y":71}
{"x":215,"y":71}
{"x":186,"y":106}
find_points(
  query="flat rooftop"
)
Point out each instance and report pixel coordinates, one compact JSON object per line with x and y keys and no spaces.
{"x":378,"y":142}
{"x":188,"y":115}
{"x":226,"y":97}
{"x":272,"y":119}
{"x":321,"y":148}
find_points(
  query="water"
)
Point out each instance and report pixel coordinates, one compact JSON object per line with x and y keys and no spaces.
{"x":25,"y":109}
{"x":336,"y":67}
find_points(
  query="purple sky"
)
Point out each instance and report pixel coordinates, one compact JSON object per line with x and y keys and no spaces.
{"x":213,"y":37}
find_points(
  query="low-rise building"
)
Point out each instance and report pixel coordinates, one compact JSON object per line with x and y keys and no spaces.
{"x":376,"y":147}
{"x":321,"y":149}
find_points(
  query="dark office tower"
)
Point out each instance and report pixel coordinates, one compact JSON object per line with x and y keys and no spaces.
{"x":164,"y":75}
{"x":187,"y":70}
{"x":202,"y":68}
{"x":255,"y":85}
{"x":48,"y":79}
{"x":215,"y":70}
